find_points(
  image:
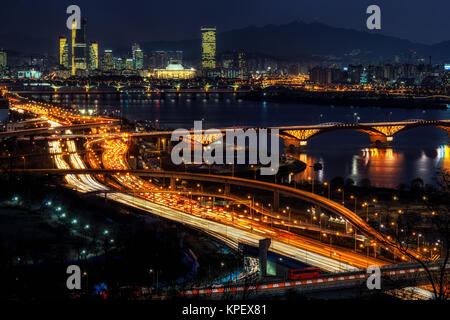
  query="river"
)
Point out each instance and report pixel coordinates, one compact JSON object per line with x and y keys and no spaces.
{"x":416,"y":153}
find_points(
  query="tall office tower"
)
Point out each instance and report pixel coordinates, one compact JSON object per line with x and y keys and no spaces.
{"x":79,"y":46}
{"x":208,"y":48}
{"x":138,"y":57}
{"x":129,"y":63}
{"x":119,"y":64}
{"x":242,"y":61}
{"x":3,"y":59}
{"x":63,"y":52}
{"x":93,"y":55}
{"x":108,"y":61}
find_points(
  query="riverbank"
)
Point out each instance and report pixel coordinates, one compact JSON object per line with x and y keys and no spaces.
{"x":347,"y":98}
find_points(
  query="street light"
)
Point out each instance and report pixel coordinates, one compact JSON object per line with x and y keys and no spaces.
{"x":326,"y":184}
{"x":366,"y":205}
{"x":343,"y":194}
{"x":353,"y":197}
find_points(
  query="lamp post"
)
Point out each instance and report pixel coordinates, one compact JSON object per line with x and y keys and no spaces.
{"x":343,"y":195}
{"x":354,"y":198}
{"x":312,"y":182}
{"x":366,"y":205}
{"x":326,"y":184}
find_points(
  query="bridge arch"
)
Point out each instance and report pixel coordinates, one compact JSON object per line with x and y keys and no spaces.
{"x":298,"y":137}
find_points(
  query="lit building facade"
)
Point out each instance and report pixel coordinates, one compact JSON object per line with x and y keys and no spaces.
{"x":93,"y":55}
{"x":108,"y":61}
{"x":208,"y":47}
{"x":3,"y":59}
{"x":79,"y":47}
{"x":63,"y":52}
{"x":175,"y":71}
{"x":138,"y":57}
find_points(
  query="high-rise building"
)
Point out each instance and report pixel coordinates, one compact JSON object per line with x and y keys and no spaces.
{"x":208,"y":47}
{"x":79,"y":46}
{"x":3,"y":59}
{"x":129,"y":63}
{"x":93,"y":55}
{"x":320,"y":75}
{"x":63,"y":52}
{"x":138,"y":57}
{"x":108,"y":61}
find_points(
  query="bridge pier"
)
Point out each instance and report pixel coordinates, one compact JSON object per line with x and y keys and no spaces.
{"x":379,"y":141}
{"x":294,"y":145}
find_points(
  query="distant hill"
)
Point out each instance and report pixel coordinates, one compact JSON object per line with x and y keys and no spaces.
{"x":306,"y":40}
{"x":440,"y":52}
{"x":296,"y":40}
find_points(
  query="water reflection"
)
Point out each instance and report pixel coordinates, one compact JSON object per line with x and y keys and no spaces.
{"x":382,"y":167}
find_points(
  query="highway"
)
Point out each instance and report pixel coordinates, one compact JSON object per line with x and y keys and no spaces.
{"x":213,"y":220}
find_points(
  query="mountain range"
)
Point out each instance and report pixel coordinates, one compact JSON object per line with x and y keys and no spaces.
{"x":294,"y":41}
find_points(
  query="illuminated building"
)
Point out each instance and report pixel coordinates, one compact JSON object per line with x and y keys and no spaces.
{"x":79,"y":46}
{"x":93,"y":55}
{"x":242,"y":61}
{"x":208,"y":48}
{"x":29,"y":74}
{"x":108,"y":60}
{"x":3,"y":61}
{"x":63,"y":52}
{"x":129,"y":64}
{"x":119,"y":64}
{"x":138,"y":57}
{"x":175,"y":71}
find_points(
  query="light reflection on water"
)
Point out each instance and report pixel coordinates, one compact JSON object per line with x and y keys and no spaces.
{"x":383,"y":167}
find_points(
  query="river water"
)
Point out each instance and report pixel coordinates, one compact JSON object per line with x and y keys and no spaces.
{"x":416,"y":153}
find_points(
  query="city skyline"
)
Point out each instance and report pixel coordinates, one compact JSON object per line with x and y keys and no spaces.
{"x":114,"y":31}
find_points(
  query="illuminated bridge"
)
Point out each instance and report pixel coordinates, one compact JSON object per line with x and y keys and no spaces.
{"x":381,"y":133}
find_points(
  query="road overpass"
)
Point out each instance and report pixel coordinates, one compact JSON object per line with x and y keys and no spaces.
{"x":55,"y":130}
{"x":227,"y":182}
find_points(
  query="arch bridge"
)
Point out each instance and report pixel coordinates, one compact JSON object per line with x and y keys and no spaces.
{"x":380,"y":133}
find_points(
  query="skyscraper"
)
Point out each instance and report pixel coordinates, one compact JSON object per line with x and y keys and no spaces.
{"x":79,"y":47}
{"x":208,"y":47}
{"x":63,"y":52}
{"x":138,"y":57}
{"x":108,"y":61}
{"x":93,"y":55}
{"x":3,"y":59}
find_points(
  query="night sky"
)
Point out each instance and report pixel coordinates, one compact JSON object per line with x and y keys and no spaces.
{"x":121,"y":22}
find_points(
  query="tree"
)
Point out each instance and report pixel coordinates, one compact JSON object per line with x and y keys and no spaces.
{"x":437,"y":220}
